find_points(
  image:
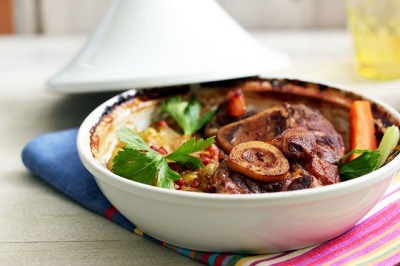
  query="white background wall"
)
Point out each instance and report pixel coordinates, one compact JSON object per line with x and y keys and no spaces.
{"x":80,"y":16}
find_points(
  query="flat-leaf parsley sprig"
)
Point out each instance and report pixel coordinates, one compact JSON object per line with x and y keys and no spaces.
{"x":138,"y":162}
{"x":187,"y":114}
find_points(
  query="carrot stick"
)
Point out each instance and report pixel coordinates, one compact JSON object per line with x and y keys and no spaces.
{"x":362,"y":129}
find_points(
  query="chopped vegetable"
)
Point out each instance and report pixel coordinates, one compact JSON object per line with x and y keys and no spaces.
{"x":138,"y":162}
{"x":259,"y":160}
{"x":236,"y":103}
{"x":187,"y":114}
{"x":388,"y":143}
{"x":362,"y":129}
{"x":369,"y":160}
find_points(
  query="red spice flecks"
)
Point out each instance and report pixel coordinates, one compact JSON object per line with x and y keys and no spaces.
{"x":213,"y":150}
{"x":195,"y":183}
{"x":205,"y":159}
{"x":110,"y":212}
{"x":180,"y":183}
{"x":160,"y":150}
{"x":162,"y":123}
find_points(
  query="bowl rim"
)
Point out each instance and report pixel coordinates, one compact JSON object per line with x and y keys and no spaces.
{"x":100,"y":172}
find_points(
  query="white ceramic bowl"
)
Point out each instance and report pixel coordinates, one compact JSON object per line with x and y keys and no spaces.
{"x":255,"y":223}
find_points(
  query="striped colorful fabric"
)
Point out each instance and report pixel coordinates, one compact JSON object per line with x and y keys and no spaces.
{"x":375,"y":240}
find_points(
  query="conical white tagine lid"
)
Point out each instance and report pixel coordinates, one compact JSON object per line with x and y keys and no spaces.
{"x":150,"y":43}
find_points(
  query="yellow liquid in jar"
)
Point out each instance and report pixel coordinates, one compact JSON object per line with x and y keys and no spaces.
{"x":377,"y":46}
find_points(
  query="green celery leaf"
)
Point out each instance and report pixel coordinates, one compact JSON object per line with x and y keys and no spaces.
{"x":363,"y":164}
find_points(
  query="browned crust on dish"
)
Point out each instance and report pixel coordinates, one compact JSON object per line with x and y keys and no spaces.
{"x":107,"y":125}
{"x":333,"y":103}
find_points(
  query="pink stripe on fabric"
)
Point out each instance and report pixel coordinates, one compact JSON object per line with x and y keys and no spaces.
{"x":285,"y":254}
{"x":359,"y":236}
{"x":338,"y":245}
{"x":369,"y":248}
{"x":271,"y":258}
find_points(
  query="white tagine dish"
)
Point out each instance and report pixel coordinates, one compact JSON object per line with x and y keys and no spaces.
{"x":235,"y":207}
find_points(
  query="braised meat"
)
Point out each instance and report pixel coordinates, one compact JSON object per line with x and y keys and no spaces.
{"x":272,"y":122}
{"x":226,"y":181}
{"x":307,"y":140}
{"x":262,"y":126}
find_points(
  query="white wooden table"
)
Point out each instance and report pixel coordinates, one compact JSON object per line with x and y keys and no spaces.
{"x":39,"y":226}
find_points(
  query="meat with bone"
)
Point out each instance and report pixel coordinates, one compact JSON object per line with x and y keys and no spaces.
{"x":305,"y":137}
{"x":272,"y":122}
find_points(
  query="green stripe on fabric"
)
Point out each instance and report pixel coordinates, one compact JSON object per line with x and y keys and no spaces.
{"x":234,"y":259}
{"x":380,"y":257}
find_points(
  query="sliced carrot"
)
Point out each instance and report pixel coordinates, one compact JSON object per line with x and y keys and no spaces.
{"x":362,"y":128}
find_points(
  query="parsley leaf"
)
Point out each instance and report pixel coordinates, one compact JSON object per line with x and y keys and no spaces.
{"x":187,"y":114}
{"x":363,"y":164}
{"x":136,"y":165}
{"x":138,"y":162}
{"x":181,"y":155}
{"x":133,"y":140}
{"x":166,"y":176}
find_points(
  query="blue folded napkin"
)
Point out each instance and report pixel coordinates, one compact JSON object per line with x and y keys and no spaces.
{"x":54,"y":158}
{"x":374,"y":240}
